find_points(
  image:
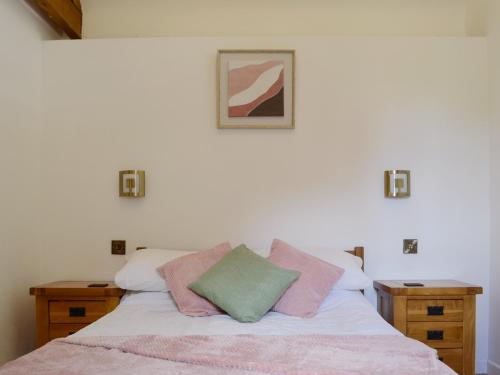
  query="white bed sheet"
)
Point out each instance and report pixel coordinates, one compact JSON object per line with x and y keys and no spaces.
{"x":155,"y":313}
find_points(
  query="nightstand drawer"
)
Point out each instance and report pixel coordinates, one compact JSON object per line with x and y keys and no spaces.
{"x":433,"y":310}
{"x":63,"y":330}
{"x":453,"y":358}
{"x":76,"y":311}
{"x":437,"y":334}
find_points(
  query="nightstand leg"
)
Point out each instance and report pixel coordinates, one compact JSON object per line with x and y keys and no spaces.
{"x":111,"y":303}
{"x":469,"y":335}
{"x":400,"y":306}
{"x":42,"y":321}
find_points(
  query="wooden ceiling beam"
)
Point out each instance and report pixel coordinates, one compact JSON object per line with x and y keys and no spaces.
{"x":66,"y":14}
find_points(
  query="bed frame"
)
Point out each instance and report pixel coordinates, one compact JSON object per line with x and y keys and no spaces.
{"x":358,"y":251}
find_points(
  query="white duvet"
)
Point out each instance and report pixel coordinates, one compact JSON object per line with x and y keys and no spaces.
{"x":155,"y":313}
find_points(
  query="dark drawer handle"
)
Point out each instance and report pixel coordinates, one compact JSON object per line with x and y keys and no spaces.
{"x":435,"y":310}
{"x":76,"y":311}
{"x":435,"y":335}
{"x":441,"y":359}
{"x":71,"y":333}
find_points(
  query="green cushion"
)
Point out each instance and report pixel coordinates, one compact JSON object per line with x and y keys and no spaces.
{"x":244,"y":284}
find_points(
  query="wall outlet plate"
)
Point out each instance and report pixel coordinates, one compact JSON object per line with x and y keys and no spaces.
{"x":410,"y":246}
{"x":118,"y":247}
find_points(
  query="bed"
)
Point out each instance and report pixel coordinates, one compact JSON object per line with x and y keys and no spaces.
{"x":146,"y":334}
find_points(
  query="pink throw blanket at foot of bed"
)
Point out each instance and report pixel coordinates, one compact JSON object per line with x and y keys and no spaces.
{"x":235,"y":355}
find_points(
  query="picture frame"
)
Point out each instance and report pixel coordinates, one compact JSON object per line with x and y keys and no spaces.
{"x":256,"y":89}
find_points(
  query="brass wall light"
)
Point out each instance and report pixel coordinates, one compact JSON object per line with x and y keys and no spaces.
{"x":132,"y":183}
{"x":397,"y":184}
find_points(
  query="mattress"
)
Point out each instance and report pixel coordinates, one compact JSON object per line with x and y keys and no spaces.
{"x":154,"y":313}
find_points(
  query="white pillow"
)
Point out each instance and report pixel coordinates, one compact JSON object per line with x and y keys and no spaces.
{"x":339,"y":258}
{"x":139,"y":273}
{"x":353,"y":278}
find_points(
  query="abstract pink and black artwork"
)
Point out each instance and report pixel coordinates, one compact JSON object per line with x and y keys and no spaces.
{"x":255,"y":89}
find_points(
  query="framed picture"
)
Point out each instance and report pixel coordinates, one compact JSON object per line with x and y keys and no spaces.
{"x":255,"y":89}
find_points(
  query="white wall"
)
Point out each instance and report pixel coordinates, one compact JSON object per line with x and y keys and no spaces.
{"x":476,"y":21}
{"x":494,"y":60}
{"x":363,"y":105}
{"x":21,"y":33}
{"x":152,"y":18}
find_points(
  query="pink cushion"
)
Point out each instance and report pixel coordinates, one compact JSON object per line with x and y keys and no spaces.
{"x":183,"y":271}
{"x":317,"y":278}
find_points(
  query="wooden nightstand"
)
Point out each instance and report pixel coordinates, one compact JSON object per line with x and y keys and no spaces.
{"x":441,"y":314}
{"x":64,"y":307}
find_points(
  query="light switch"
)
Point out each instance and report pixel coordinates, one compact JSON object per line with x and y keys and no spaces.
{"x":410,"y":246}
{"x":118,"y":247}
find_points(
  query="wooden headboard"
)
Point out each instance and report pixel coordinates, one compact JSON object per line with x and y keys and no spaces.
{"x":358,"y":251}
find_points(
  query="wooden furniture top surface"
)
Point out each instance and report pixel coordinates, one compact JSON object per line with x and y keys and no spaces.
{"x":77,"y":289}
{"x":430,"y":288}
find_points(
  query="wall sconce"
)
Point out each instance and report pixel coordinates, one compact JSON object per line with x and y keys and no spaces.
{"x":397,"y":184}
{"x":132,"y":183}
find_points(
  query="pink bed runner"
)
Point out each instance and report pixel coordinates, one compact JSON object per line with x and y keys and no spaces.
{"x":235,"y":355}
